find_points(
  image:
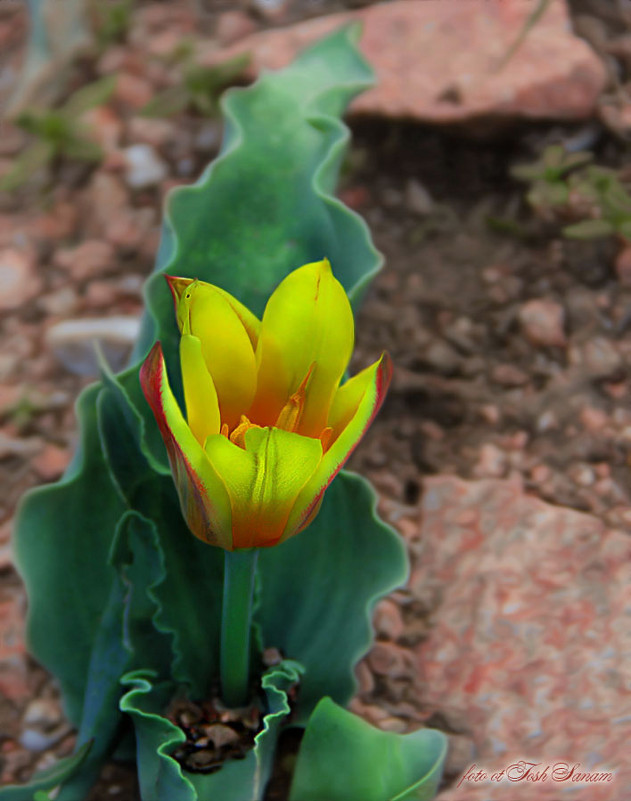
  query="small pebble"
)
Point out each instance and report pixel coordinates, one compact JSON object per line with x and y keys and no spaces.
{"x":51,"y":462}
{"x":365,"y":678}
{"x":542,"y":322}
{"x":417,"y":199}
{"x":144,"y":168}
{"x":35,"y":740}
{"x":598,"y":357}
{"x":508,"y":375}
{"x":208,"y":137}
{"x":387,"y":620}
{"x":19,"y":281}
{"x":583,"y":475}
{"x":387,"y":659}
{"x":73,"y":342}
{"x":153,"y":132}
{"x":442,"y":358}
{"x":594,"y":420}
{"x":43,"y":712}
{"x":492,"y":462}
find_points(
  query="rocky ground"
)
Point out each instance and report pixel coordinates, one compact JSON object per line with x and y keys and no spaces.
{"x":502,"y":453}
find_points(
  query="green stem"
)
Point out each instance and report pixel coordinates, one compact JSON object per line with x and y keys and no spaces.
{"x":236,"y":624}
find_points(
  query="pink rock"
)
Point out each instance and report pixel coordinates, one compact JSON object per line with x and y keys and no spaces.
{"x":542,"y":322}
{"x":442,"y":61}
{"x":531,"y":641}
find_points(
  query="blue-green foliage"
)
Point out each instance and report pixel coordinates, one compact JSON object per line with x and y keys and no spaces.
{"x":124,"y":601}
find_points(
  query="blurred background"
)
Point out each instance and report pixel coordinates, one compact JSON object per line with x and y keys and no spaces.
{"x":492,"y":164}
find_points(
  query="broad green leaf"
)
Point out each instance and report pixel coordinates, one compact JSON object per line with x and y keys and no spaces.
{"x":343,"y":758}
{"x":132,"y":419}
{"x":126,"y":638}
{"x":246,"y":779}
{"x":100,"y":718}
{"x":63,"y":538}
{"x":589,"y":229}
{"x":137,"y":555}
{"x":317,"y":590}
{"x":161,"y":777}
{"x":188,"y":597}
{"x":48,"y":779}
{"x":264,"y":207}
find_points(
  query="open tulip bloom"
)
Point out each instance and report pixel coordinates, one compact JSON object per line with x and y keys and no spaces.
{"x":267,"y":425}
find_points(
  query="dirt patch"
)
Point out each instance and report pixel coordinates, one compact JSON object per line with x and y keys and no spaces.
{"x":511,"y":347}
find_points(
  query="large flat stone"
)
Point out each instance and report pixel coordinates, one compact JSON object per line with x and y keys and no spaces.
{"x":530,"y":645}
{"x":440,"y":61}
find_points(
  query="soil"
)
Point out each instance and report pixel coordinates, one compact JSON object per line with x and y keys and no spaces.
{"x":477,"y":391}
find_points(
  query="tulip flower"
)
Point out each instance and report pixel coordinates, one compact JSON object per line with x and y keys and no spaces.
{"x":268,"y":423}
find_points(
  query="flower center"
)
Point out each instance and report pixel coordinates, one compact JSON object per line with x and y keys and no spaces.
{"x":288,"y":419}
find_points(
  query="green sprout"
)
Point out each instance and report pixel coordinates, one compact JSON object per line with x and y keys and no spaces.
{"x":611,"y":203}
{"x":200,"y":87}
{"x":59,"y":133}
{"x":549,"y":187}
{"x":111,"y":22}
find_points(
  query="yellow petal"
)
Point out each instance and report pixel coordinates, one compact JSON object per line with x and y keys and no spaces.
{"x":308,"y":321}
{"x":203,"y":497}
{"x":177,"y":285}
{"x":206,"y":313}
{"x":354,"y":407}
{"x":200,"y":396}
{"x":263,"y":480}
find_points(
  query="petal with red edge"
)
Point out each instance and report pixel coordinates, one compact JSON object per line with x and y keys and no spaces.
{"x":353,"y":413}
{"x":203,"y":497}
